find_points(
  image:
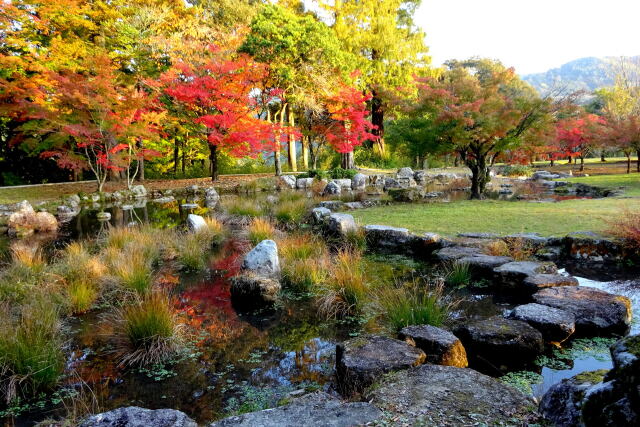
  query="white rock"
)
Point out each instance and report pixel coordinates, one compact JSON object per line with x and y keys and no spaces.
{"x":263,"y":259}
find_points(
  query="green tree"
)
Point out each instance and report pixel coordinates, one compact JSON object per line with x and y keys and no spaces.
{"x":388,"y":46}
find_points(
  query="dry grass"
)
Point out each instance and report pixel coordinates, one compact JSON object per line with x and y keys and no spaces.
{"x":28,"y":257}
{"x":132,"y":271}
{"x":345,"y":291}
{"x":514,"y":247}
{"x":291,"y":211}
{"x":627,"y":228}
{"x":260,"y":229}
{"x":301,"y":247}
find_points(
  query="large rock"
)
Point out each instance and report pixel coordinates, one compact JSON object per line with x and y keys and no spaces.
{"x":263,"y":259}
{"x":555,"y":325}
{"x":133,"y":416}
{"x":314,"y":410}
{"x":405,"y":173}
{"x":332,"y":188}
{"x":501,"y":343}
{"x":408,"y":195}
{"x":319,"y":214}
{"x":138,"y":191}
{"x":341,"y":224}
{"x":391,"y":239}
{"x":433,"y":395}
{"x":211,"y":195}
{"x":483,"y":265}
{"x":288,"y":181}
{"x":454,"y":253}
{"x":440,"y":346}
{"x":251,"y":291}
{"x":361,"y":361}
{"x":541,"y":281}
{"x":25,"y":221}
{"x":596,"y":312}
{"x":359,"y":181}
{"x":420,"y":177}
{"x":304,"y":183}
{"x":344,"y":183}
{"x":196,"y":222}
{"x":511,"y":276}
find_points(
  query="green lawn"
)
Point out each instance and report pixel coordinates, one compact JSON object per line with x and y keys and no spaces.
{"x":630,"y":182}
{"x":549,"y":219}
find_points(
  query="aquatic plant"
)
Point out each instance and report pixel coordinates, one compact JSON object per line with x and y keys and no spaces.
{"x":415,"y":303}
{"x":291,"y":211}
{"x":522,"y":380}
{"x":150,"y":330}
{"x":301,"y":246}
{"x":260,"y":229}
{"x":31,"y":357}
{"x":305,"y":275}
{"x":344,"y":293}
{"x":457,"y":273}
{"x":82,"y":294}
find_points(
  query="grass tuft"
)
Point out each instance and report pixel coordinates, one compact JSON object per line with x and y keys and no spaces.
{"x":291,"y":211}
{"x":627,"y":228}
{"x":344,"y":293}
{"x":457,"y":273}
{"x":244,"y":207}
{"x":261,"y":229}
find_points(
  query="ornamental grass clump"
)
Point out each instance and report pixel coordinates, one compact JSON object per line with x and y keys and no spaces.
{"x":515,"y":247}
{"x":244,"y":207}
{"x":627,"y":228}
{"x":301,"y":247}
{"x":260,"y":229}
{"x":150,"y":331}
{"x":415,"y":303}
{"x":191,"y":248}
{"x":132,"y":271}
{"x":345,"y":291}
{"x":291,"y":211}
{"x":305,"y":275}
{"x":457,"y":273}
{"x":31,"y":357}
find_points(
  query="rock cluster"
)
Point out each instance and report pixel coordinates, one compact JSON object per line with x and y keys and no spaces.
{"x":25,"y":221}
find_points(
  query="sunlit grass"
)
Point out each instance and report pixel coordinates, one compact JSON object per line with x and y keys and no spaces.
{"x":345,"y":291}
{"x":243,"y":207}
{"x":260,"y":229}
{"x":291,"y":211}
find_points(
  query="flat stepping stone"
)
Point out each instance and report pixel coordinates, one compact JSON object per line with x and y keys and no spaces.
{"x":361,"y":361}
{"x":500,"y":342}
{"x":133,"y":416}
{"x":389,"y":238}
{"x":556,"y":325}
{"x":453,"y":253}
{"x":316,"y":410}
{"x":512,"y":275}
{"x":440,"y":346}
{"x":596,"y":312}
{"x":434,"y":395}
{"x":541,"y":281}
{"x":483,"y":265}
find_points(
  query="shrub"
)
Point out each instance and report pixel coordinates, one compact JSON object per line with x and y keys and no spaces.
{"x":289,"y":212}
{"x":150,"y":330}
{"x":627,"y":228}
{"x":339,"y":173}
{"x":415,"y":304}
{"x":457,"y":273}
{"x":31,"y":354}
{"x":516,"y":170}
{"x":244,"y":207}
{"x":345,"y":291}
{"x":260,"y":229}
{"x":514,"y":247}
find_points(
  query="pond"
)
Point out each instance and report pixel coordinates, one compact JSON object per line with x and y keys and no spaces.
{"x":239,"y":362}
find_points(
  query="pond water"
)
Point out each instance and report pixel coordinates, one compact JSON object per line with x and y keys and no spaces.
{"x":240,"y":362}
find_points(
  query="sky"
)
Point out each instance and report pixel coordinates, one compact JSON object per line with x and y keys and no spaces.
{"x":532,"y":36}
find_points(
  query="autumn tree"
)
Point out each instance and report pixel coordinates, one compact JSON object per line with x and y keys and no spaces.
{"x":483,"y":110}
{"x":216,"y":96}
{"x":578,"y":136}
{"x":388,"y":47}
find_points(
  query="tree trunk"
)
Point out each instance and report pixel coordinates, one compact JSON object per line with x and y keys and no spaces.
{"x":628,"y":162}
{"x":602,"y":156}
{"x":570,"y":160}
{"x":213,"y":158}
{"x":305,"y":152}
{"x":581,"y":164}
{"x":479,"y":173}
{"x":291,"y":142}
{"x":313,"y":153}
{"x":638,"y":161}
{"x":552,"y":162}
{"x":176,"y":157}
{"x":277,"y":163}
{"x":377,"y":119}
{"x":141,"y":162}
{"x":347,"y":160}
{"x":184,"y":157}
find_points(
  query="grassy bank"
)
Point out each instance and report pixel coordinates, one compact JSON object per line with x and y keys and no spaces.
{"x":499,"y":217}
{"x":630,"y":182}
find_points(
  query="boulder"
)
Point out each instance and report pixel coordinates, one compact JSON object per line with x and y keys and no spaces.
{"x":138,"y":191}
{"x":353,"y":205}
{"x":103,"y":216}
{"x":503,"y":343}
{"x":73,"y":200}
{"x":555,"y":325}
{"x":251,"y":291}
{"x":433,"y":395}
{"x":420,"y":177}
{"x":540,"y":281}
{"x":511,"y":276}
{"x":304,"y":183}
{"x":392,"y":239}
{"x":359,"y":181}
{"x":440,"y":346}
{"x":196,"y":222}
{"x":334,"y":205}
{"x":332,"y":188}
{"x":596,"y":312}
{"x":210,"y":194}
{"x":405,"y":173}
{"x":25,"y":221}
{"x":529,"y":239}
{"x":317,"y":409}
{"x":361,"y":361}
{"x":400,"y":182}
{"x":344,"y":183}
{"x":341,"y":224}
{"x":263,"y":259}
{"x":483,"y":265}
{"x":562,"y":403}
{"x":288,"y":181}
{"x":453,"y":253}
{"x":408,"y":195}
{"x":133,"y":416}
{"x":319,"y":214}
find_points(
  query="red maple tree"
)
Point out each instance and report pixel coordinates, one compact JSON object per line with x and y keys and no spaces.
{"x":576,"y":137}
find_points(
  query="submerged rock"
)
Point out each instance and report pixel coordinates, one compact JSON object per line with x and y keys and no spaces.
{"x":263,"y":259}
{"x":134,"y":416}
{"x":434,"y":395}
{"x":361,"y":361}
{"x":555,"y":325}
{"x":440,"y":346}
{"x":501,"y":342}
{"x":314,"y":410}
{"x":596,"y":312}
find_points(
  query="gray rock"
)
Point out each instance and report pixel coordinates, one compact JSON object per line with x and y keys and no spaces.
{"x":210,"y":194}
{"x":400,"y":182}
{"x":555,"y":325}
{"x":163,"y":200}
{"x":541,"y":281}
{"x":344,"y":183}
{"x":501,"y":342}
{"x":288,"y":181}
{"x":138,"y":191}
{"x":562,"y":403}
{"x":189,"y":206}
{"x":332,"y":188}
{"x":341,"y":224}
{"x":103,"y":216}
{"x":413,"y":194}
{"x":432,"y":238}
{"x":319,"y":214}
{"x":405,"y":173}
{"x":353,"y":205}
{"x":251,"y":291}
{"x":531,"y":239}
{"x":196,"y":222}
{"x":440,"y":346}
{"x":596,"y":312}
{"x":133,"y":416}
{"x":304,"y":183}
{"x":263,"y":259}
{"x":479,"y":235}
{"x":483,"y":265}
{"x":388,"y":238}
{"x":314,"y":410}
{"x":361,"y":361}
{"x":453,"y":253}
{"x":511,"y":276}
{"x":359,"y":181}
{"x":433,"y":395}
{"x":73,"y":200}
{"x":334,"y":205}
{"x":420,"y":177}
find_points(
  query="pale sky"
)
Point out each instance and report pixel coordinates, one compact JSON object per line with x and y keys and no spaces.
{"x":533,"y":35}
